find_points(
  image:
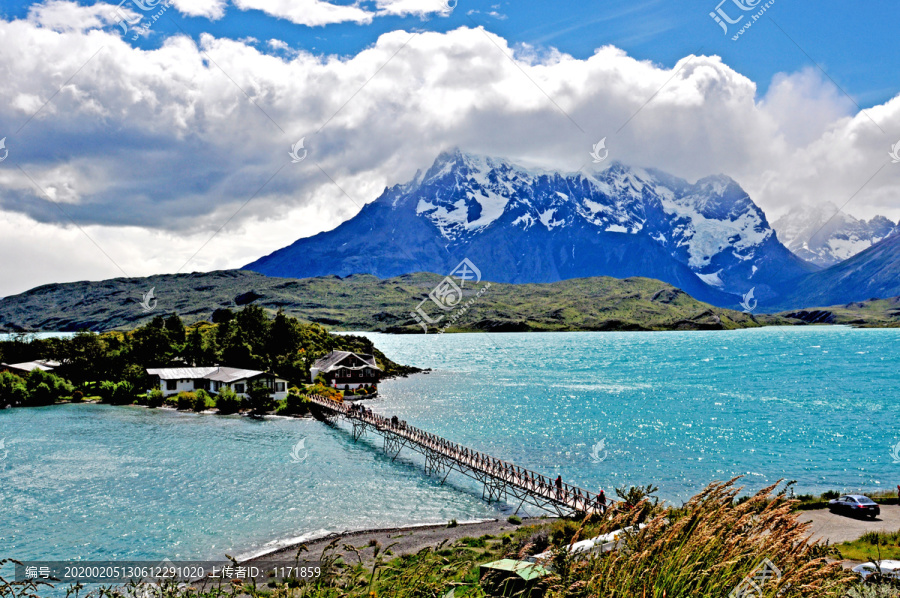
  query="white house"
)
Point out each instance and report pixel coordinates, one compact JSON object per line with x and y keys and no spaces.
{"x":345,"y":370}
{"x":213,"y":378}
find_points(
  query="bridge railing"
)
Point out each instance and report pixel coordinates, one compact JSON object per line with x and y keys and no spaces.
{"x":532,"y":481}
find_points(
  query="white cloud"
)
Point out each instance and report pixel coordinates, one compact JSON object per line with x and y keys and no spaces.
{"x":151,"y":151}
{"x":419,"y":8}
{"x":211,"y":9}
{"x":59,"y":15}
{"x":312,"y":13}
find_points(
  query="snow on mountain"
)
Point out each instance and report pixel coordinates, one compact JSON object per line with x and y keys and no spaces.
{"x":535,"y":225}
{"x":711,"y":226}
{"x":824,"y":235}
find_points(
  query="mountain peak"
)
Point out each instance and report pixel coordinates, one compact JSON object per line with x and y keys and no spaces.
{"x":533,"y":225}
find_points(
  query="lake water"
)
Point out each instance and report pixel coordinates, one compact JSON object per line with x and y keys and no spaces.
{"x":677,"y":409}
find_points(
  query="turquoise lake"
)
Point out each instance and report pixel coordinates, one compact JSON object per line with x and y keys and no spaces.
{"x":676,"y":409}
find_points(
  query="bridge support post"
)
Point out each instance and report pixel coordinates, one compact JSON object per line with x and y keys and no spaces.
{"x":392,"y":445}
{"x":359,"y":429}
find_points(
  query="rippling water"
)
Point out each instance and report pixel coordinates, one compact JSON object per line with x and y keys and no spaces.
{"x":819,"y":405}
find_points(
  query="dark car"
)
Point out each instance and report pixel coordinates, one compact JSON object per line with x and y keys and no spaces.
{"x":854,"y":504}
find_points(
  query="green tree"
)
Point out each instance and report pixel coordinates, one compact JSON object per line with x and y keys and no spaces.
{"x":201,"y":401}
{"x":150,"y":344}
{"x":12,"y":390}
{"x":227,"y":401}
{"x":175,"y":329}
{"x":258,"y":399}
{"x":45,"y":388}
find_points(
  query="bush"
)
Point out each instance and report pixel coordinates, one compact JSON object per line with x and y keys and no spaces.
{"x":515,"y":519}
{"x":12,"y":390}
{"x":105,"y":391}
{"x":294,"y":404}
{"x":201,"y":401}
{"x":41,"y":394}
{"x":259,"y":399}
{"x":155,"y":398}
{"x":325,"y":391}
{"x":452,"y":523}
{"x":185,"y":400}
{"x":123,"y":394}
{"x":77,"y":396}
{"x":45,"y":388}
{"x":227,"y":401}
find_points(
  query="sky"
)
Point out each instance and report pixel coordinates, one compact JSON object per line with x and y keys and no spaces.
{"x":162,"y":136}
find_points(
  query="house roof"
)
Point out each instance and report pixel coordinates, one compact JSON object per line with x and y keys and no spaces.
{"x":27,"y":366}
{"x":215,"y":373}
{"x":333,"y":360}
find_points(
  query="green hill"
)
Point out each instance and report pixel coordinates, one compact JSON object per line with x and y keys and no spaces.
{"x":364,"y":302}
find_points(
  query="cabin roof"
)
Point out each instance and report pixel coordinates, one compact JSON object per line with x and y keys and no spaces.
{"x":333,"y":360}
{"x":28,"y":366}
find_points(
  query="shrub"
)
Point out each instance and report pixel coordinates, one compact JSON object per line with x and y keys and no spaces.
{"x":41,"y":394}
{"x":325,"y":391}
{"x":123,"y":393}
{"x":452,"y":523}
{"x":515,"y":519}
{"x":77,"y":396}
{"x":259,"y":399}
{"x":227,"y":401}
{"x":105,"y":391}
{"x":155,"y":398}
{"x":45,"y":388}
{"x":12,"y":389}
{"x":201,"y":401}
{"x":294,"y":404}
{"x":185,"y":400}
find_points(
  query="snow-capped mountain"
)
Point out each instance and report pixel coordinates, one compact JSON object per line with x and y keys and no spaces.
{"x":528,"y":225}
{"x":824,"y":235}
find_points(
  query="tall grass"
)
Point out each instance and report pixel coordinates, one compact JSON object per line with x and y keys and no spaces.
{"x":704,"y":550}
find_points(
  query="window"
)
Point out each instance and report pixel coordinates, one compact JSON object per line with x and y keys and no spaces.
{"x":171,"y":384}
{"x":239,"y":388}
{"x":279,"y":387}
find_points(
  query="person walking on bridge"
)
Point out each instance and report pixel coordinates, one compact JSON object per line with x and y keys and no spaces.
{"x":601,"y":501}
{"x":559,"y":486}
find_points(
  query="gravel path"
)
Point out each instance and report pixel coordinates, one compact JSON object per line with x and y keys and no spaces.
{"x":399,"y":540}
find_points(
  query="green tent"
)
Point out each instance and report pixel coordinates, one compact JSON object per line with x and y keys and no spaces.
{"x":508,"y":577}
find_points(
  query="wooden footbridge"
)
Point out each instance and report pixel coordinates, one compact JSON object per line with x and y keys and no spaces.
{"x":502,"y":480}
